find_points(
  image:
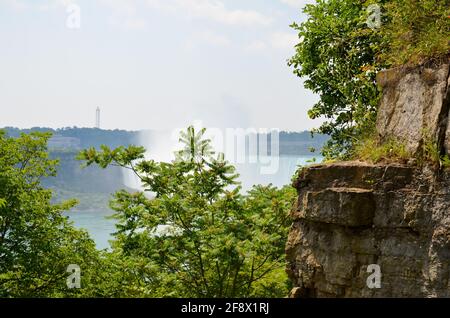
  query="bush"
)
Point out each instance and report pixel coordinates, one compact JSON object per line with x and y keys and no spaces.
{"x":339,"y":56}
{"x":417,"y":30}
{"x":372,"y":150}
{"x":199,"y":236}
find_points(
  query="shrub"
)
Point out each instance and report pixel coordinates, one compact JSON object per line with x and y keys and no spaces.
{"x":417,"y":30}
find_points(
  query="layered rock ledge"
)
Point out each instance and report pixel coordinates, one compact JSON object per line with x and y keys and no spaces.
{"x":351,"y":215}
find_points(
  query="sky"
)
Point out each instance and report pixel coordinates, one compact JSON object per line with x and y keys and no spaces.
{"x":151,"y":64}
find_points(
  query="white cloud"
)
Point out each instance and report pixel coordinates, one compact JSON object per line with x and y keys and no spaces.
{"x":215,"y":39}
{"x":124,"y":14}
{"x":214,"y":10}
{"x":127,"y":23}
{"x":15,"y":4}
{"x":120,"y":6}
{"x":298,"y":3}
{"x":54,"y":4}
{"x":283,"y":40}
{"x":206,"y":37}
{"x":39,"y":5}
{"x":257,"y":45}
{"x":274,"y":40}
{"x":135,"y":24}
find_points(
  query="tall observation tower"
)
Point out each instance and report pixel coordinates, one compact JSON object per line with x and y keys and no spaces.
{"x":97,"y":118}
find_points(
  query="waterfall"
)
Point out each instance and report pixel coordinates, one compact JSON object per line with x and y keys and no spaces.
{"x":161,"y":145}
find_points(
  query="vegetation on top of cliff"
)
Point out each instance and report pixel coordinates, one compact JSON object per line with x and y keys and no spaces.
{"x":416,"y":31}
{"x":372,"y":149}
{"x":341,"y":49}
{"x":337,"y":56}
{"x":431,"y":154}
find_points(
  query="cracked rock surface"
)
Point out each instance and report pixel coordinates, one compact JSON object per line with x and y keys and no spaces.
{"x":415,"y":103}
{"x":351,"y":215}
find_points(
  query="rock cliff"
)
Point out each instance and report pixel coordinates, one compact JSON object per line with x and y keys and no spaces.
{"x":415,"y":104}
{"x":352,"y":216}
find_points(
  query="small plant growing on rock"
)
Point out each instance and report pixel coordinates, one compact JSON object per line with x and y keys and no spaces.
{"x":371,"y":149}
{"x":296,"y":178}
{"x":431,"y":153}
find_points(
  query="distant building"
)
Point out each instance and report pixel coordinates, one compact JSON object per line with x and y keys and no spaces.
{"x":97,"y":118}
{"x":60,"y":142}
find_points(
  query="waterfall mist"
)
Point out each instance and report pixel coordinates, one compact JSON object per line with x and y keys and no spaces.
{"x":161,"y":145}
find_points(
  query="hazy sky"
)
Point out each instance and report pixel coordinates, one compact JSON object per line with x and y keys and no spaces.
{"x":151,"y":64}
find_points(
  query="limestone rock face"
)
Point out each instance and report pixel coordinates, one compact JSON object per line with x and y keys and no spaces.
{"x":353,"y":219}
{"x":447,"y":133}
{"x":414,"y":103}
{"x":352,"y":215}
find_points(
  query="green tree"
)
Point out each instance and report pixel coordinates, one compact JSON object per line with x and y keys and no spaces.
{"x":192,"y":233}
{"x":37,"y":243}
{"x":337,"y":56}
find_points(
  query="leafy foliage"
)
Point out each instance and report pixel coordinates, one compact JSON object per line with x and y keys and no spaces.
{"x":417,"y":31}
{"x":431,"y":153}
{"x":337,"y":56}
{"x":198,"y":236}
{"x":37,"y":242}
{"x":372,"y":150}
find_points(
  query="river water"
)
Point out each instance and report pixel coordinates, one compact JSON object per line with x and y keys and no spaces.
{"x":100,"y":227}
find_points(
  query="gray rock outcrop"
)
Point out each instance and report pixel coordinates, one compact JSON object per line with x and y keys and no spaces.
{"x":352,"y":219}
{"x":352,"y":215}
{"x":415,"y":104}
